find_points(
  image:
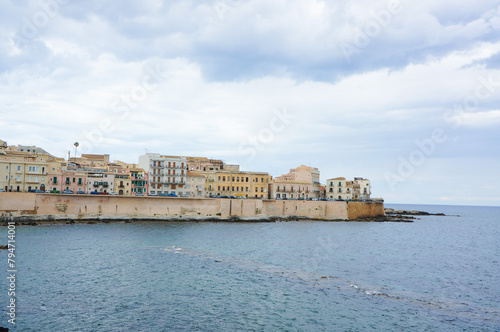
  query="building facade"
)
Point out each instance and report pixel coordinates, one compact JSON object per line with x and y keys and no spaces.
{"x":100,"y":182}
{"x":195,"y":185}
{"x":138,"y":181}
{"x":123,"y":184}
{"x":340,"y":188}
{"x":240,"y":184}
{"x":23,"y":171}
{"x":300,"y":183}
{"x":167,"y":174}
{"x":67,"y":180}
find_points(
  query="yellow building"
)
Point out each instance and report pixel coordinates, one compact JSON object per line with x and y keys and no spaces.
{"x":240,"y":184}
{"x":123,"y":185}
{"x":23,"y":171}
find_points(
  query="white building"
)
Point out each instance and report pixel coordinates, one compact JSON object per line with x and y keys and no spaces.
{"x":340,"y":188}
{"x":167,"y":174}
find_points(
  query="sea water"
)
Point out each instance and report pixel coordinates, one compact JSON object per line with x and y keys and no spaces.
{"x":439,"y":273}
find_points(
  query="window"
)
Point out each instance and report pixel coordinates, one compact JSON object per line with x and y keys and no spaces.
{"x":74,"y":180}
{"x":223,"y":178}
{"x":55,"y":180}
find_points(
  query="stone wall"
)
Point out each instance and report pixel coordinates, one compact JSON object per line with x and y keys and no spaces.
{"x":92,"y":205}
{"x":359,"y":210}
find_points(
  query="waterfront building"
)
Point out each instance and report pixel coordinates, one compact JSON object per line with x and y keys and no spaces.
{"x":290,"y":189}
{"x":23,"y":171}
{"x":203,"y":164}
{"x":299,"y":183}
{"x":233,"y":182}
{"x":65,"y":180}
{"x":195,"y":184}
{"x":139,"y":181}
{"x":100,"y":182}
{"x":123,"y":184}
{"x":340,"y":188}
{"x":167,"y":174}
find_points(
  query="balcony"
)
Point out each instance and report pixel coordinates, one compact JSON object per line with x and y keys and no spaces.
{"x":121,"y":186}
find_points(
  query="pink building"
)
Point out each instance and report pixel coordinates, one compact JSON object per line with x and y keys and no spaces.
{"x":68,"y":180}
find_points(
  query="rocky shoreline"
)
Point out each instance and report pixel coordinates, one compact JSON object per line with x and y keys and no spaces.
{"x":34,"y":220}
{"x":393,"y":212}
{"x":391,"y":215}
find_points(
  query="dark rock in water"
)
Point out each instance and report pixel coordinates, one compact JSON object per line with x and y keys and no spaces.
{"x":4,"y":247}
{"x":411,"y":213}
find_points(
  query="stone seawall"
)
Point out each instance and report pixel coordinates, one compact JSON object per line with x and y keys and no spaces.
{"x":60,"y":206}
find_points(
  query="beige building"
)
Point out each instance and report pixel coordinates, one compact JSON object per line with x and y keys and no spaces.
{"x":90,"y":161}
{"x":340,"y":188}
{"x":290,"y":189}
{"x":123,"y":184}
{"x":100,"y":182}
{"x":195,"y":184}
{"x":300,"y":183}
{"x":23,"y":171}
{"x":203,"y":164}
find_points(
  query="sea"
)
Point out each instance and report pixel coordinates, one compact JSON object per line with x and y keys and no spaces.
{"x":438,"y":273}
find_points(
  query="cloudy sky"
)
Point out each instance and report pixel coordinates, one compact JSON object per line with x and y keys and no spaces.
{"x":405,"y":93}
